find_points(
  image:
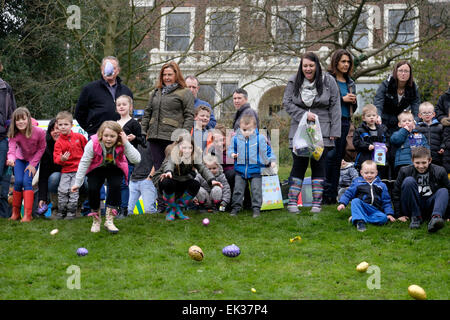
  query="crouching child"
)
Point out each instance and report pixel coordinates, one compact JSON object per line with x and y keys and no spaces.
{"x":371,"y":202}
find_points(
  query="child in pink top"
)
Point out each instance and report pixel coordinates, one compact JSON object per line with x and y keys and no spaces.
{"x":26,"y":147}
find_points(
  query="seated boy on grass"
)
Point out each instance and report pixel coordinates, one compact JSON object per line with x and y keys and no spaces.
{"x":421,"y":190}
{"x":371,"y":202}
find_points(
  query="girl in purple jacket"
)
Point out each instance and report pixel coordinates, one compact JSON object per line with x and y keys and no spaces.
{"x":26,"y":147}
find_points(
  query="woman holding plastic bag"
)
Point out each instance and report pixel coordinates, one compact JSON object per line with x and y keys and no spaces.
{"x":314,"y":97}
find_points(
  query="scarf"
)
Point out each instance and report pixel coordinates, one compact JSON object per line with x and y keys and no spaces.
{"x":308,"y":92}
{"x":170,"y":88}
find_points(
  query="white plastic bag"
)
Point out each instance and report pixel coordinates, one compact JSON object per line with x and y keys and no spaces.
{"x":308,"y":139}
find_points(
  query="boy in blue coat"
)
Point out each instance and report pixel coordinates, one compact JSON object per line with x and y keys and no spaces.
{"x":404,"y":139}
{"x":251,"y":152}
{"x":370,"y":198}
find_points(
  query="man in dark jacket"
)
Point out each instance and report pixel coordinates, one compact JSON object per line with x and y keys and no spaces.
{"x":7,"y":107}
{"x":97,"y":101}
{"x":240,"y":101}
{"x":443,"y":105}
{"x":421,"y":188}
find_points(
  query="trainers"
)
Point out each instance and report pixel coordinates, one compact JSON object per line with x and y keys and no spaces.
{"x":316,"y":209}
{"x":361,"y":226}
{"x":234,"y":212}
{"x":436,"y":223}
{"x":256,"y":213}
{"x":415,"y":223}
{"x":293,"y":208}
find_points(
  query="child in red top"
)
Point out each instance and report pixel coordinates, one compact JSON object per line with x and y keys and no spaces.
{"x":68,"y":151}
{"x":26,"y":147}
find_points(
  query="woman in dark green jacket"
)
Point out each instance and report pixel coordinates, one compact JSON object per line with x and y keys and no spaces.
{"x":171,"y":107}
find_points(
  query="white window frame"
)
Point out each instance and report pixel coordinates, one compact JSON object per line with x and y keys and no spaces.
{"x":370,"y":23}
{"x":211,"y":10}
{"x":143,"y":3}
{"x":399,"y":6}
{"x":164,"y":12}
{"x":276,"y":9}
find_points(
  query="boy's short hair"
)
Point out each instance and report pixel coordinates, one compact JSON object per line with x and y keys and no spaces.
{"x":367,"y":108}
{"x":201,"y":108}
{"x":247,"y":119}
{"x":64,"y":115}
{"x":404,"y":114}
{"x":369,"y":163}
{"x":420,"y":152}
{"x":424,"y":105}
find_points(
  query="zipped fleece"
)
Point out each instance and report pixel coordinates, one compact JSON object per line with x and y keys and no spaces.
{"x":73,"y":143}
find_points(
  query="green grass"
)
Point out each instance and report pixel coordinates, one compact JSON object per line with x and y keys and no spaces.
{"x":148,"y":258}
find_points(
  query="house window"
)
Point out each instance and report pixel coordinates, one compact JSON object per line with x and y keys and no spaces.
{"x":207,"y":92}
{"x":288,"y":24}
{"x":227,"y":90}
{"x":177,"y":30}
{"x":223,"y":30}
{"x":405,"y":20}
{"x":360,"y":37}
{"x":405,"y":28}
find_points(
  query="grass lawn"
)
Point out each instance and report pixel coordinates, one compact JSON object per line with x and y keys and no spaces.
{"x":148,"y":258}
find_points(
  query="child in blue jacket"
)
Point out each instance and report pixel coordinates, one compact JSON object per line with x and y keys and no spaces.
{"x":370,"y":198}
{"x":404,"y":139}
{"x":251,"y":152}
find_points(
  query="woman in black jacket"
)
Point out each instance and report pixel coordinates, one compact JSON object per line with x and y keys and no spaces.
{"x":49,"y":172}
{"x":396,"y":94}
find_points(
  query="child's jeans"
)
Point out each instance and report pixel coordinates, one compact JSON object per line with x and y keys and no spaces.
{"x":125,"y":188}
{"x":239,"y":189}
{"x":367,"y":213}
{"x":149,"y":194}
{"x":23,"y":180}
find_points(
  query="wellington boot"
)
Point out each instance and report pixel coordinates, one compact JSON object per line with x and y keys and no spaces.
{"x":16,"y":205}
{"x":96,"y":222}
{"x":28,"y":199}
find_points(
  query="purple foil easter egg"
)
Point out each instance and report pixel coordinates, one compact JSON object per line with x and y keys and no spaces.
{"x":42,"y":210}
{"x":231,"y":251}
{"x":82,"y":252}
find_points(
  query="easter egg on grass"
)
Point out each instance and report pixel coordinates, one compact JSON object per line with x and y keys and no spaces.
{"x":231,"y":251}
{"x":205,"y":222}
{"x":82,"y":251}
{"x":417,"y":292}
{"x":362,"y":267}
{"x":196,"y":253}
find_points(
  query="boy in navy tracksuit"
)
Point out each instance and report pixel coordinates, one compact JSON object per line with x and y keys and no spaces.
{"x":251,"y":152}
{"x":370,"y":198}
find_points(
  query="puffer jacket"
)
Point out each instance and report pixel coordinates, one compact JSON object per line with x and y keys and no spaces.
{"x":253,"y":154}
{"x":375,"y":193}
{"x":401,"y":140}
{"x":362,"y":140}
{"x":446,"y":140}
{"x":226,"y":191}
{"x":165,"y":113}
{"x":386,"y":101}
{"x":433,"y":133}
{"x":327,"y":107}
{"x":443,"y":105}
{"x":347,"y":175}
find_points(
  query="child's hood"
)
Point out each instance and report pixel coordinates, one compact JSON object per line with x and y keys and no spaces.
{"x":348,"y":165}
